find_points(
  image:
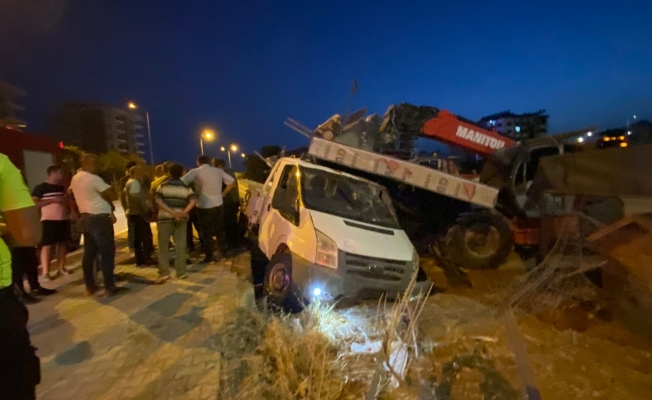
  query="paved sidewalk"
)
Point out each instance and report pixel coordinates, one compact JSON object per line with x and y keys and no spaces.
{"x":153,"y":342}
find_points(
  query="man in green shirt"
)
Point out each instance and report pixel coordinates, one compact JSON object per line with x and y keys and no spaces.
{"x":19,"y":365}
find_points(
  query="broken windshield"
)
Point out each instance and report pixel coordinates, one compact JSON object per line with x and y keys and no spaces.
{"x":347,"y":197}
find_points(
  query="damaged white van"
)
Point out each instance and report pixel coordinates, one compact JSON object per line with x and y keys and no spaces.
{"x":329,"y":235}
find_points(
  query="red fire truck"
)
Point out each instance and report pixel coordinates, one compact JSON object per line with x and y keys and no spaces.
{"x":33,"y":154}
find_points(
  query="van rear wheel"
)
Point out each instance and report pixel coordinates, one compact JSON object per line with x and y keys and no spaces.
{"x":278,"y":279}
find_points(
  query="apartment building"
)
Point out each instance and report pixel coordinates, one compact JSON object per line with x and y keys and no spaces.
{"x":517,"y":126}
{"x":98,"y":128}
{"x":11,"y":110}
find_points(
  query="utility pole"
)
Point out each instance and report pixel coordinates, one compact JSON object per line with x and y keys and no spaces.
{"x":149,"y":133}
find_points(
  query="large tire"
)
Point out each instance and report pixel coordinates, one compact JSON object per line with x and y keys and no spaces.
{"x":278,"y":280}
{"x":479,"y":240}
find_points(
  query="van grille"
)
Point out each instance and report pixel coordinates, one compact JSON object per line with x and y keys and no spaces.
{"x":376,"y":268}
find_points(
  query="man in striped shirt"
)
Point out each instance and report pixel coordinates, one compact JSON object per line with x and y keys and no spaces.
{"x":175,"y":200}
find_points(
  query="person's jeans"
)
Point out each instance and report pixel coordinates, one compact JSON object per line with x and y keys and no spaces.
{"x":20,"y":367}
{"x":130,"y":234}
{"x":142,"y":245}
{"x":211,"y":223}
{"x":25,"y":262}
{"x":98,"y":239}
{"x":177,"y":230}
{"x":231,"y":228}
{"x":149,"y":240}
{"x":190,"y":239}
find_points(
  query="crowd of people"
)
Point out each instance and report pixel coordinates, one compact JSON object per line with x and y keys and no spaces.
{"x":203,"y":199}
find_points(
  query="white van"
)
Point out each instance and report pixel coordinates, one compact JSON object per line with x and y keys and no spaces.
{"x":328,"y":235}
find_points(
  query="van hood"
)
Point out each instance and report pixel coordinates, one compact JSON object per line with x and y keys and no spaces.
{"x":364,"y":239}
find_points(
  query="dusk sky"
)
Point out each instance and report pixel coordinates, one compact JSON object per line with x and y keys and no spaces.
{"x":245,"y":66}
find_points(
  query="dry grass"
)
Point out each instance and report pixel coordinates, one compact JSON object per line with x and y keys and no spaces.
{"x":558,"y":282}
{"x":309,"y":356}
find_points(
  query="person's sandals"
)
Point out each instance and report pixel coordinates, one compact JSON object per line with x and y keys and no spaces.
{"x":162,"y":279}
{"x":65,"y":271}
{"x":49,"y":278}
{"x":182,"y":276}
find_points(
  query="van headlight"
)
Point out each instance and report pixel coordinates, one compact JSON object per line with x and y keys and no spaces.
{"x":326,"y":251}
{"x":415,"y":260}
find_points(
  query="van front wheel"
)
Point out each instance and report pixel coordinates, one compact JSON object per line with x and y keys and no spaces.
{"x":278,"y":279}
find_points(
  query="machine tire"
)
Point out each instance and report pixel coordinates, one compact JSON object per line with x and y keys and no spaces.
{"x":494,"y":227}
{"x":278,"y":280}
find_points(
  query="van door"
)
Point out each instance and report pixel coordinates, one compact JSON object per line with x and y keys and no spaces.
{"x":281,"y":213}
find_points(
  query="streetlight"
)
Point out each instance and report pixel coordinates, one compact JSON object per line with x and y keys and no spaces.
{"x":132,"y":106}
{"x":232,"y":148}
{"x":243,"y":155}
{"x":208,"y":135}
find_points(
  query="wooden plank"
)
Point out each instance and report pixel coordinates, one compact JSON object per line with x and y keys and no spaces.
{"x":607,"y":229}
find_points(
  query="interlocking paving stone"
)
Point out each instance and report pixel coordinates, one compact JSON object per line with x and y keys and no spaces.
{"x":150,"y":343}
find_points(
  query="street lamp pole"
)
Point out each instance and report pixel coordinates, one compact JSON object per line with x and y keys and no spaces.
{"x":206,"y":134}
{"x":228,"y":150}
{"x":149,"y":133}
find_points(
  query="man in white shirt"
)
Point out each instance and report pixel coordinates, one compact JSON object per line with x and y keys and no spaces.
{"x":210,"y":204}
{"x":94,"y":202}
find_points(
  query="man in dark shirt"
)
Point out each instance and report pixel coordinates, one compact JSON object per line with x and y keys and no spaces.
{"x":231,"y":209}
{"x":139,"y":212}
{"x":123,"y":202}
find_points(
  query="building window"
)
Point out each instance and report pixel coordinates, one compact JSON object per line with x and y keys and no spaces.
{"x":517,"y":128}
{"x":509,"y":123}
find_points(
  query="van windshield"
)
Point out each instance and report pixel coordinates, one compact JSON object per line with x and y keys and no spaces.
{"x":347,"y":197}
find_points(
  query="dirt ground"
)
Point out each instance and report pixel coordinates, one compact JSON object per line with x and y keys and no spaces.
{"x":465,"y":351}
{"x":574,"y":354}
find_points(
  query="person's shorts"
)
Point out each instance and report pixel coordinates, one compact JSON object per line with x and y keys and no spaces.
{"x":55,"y":232}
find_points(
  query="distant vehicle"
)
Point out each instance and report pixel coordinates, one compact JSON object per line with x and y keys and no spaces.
{"x":612,"y":138}
{"x":33,"y":154}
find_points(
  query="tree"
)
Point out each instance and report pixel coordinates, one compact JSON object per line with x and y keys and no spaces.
{"x":74,"y":149}
{"x":255,"y":168}
{"x":111,"y":164}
